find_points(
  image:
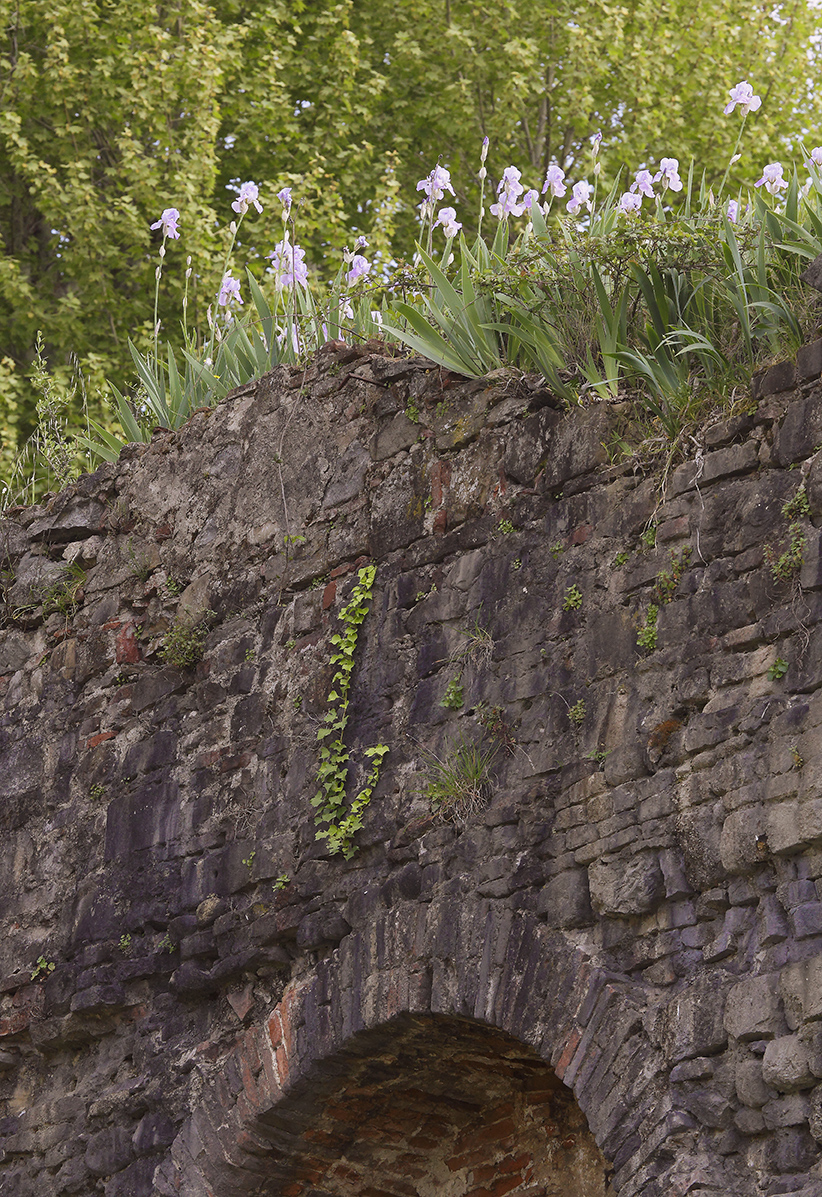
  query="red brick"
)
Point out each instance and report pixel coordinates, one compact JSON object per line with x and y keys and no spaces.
{"x":440,"y":481}
{"x":15,"y":1024}
{"x":206,"y":759}
{"x":98,"y":739}
{"x":251,"y":1051}
{"x":514,"y":1163}
{"x":238,"y":761}
{"x":329,"y":595}
{"x":571,"y":1045}
{"x":126,"y":646}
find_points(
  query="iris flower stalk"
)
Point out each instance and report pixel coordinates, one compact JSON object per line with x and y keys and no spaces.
{"x":290,"y":305}
{"x":168,"y":222}
{"x":742,"y":95}
{"x":188,"y":340}
{"x":247,"y":195}
{"x":597,"y":167}
{"x":483,"y":174}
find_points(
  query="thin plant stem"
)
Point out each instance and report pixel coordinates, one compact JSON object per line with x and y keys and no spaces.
{"x":157,"y":276}
{"x":185,"y":303}
{"x":483,"y":174}
{"x":732,"y":157}
{"x":234,"y":228}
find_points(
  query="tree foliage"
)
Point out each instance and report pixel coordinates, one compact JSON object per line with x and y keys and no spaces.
{"x":104,"y":109}
{"x":111,"y":111}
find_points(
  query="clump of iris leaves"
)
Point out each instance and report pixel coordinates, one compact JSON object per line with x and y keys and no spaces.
{"x":670,"y":310}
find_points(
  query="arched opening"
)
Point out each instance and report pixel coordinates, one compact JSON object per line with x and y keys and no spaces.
{"x":432,"y":1106}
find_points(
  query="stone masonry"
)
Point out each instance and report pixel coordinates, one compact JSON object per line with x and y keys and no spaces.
{"x":601,"y":974}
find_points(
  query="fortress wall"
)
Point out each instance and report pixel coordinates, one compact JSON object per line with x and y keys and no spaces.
{"x":636,"y":897}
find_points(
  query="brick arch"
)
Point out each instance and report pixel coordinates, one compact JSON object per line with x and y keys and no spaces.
{"x":522,"y":982}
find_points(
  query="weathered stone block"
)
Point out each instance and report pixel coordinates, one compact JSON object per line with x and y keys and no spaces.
{"x":724,"y":463}
{"x":153,"y":1131}
{"x":108,"y":1151}
{"x":754,"y":1009}
{"x":790,"y":1150}
{"x":400,"y":433}
{"x":76,"y":520}
{"x":525,"y":446}
{"x":348,"y":475}
{"x":786,"y":1065}
{"x":750,"y":1085}
{"x":812,"y":274}
{"x":576,"y":447}
{"x":815,"y":1113}
{"x":813,"y":489}
{"x":15,"y":650}
{"x":776,"y":379}
{"x":739,"y":845}
{"x":692,"y":1023}
{"x":626,"y":886}
{"x":809,"y":360}
{"x":709,"y":1106}
{"x":790,"y":1109}
{"x":794,"y":825}
{"x":807,"y":920}
{"x":749,"y":1122}
{"x":565,"y":900}
{"x":798,"y":433}
{"x":801,"y":987}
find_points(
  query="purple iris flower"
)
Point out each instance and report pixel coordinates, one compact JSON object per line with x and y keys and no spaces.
{"x":168,"y":223}
{"x":248,"y":195}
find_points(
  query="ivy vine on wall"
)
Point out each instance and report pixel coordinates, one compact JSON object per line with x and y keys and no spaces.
{"x":334,"y":824}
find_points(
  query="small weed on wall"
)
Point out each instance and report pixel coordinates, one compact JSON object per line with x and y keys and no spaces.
{"x":458,"y":784}
{"x":785,"y":565}
{"x":184,"y":644}
{"x":453,"y":699}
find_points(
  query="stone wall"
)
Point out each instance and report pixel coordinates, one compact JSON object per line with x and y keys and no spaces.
{"x":602,"y":973}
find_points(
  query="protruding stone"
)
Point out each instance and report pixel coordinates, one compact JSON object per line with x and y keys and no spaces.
{"x":812,"y":275}
{"x":801,"y":987}
{"x":753,"y":1009}
{"x":786,"y":1065}
{"x":565,"y":900}
{"x":626,"y":886}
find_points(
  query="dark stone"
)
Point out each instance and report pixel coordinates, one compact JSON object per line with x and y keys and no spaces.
{"x":76,"y":521}
{"x":325,"y":927}
{"x":149,"y":689}
{"x":781,"y":377}
{"x":791,"y":1150}
{"x":349,"y":473}
{"x":150,"y":816}
{"x":153,"y":1131}
{"x":153,"y":753}
{"x":809,"y":357}
{"x":812,"y":275}
{"x":108,"y":1151}
{"x":566,"y":901}
{"x":134,"y":1181}
{"x":799,"y":433}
